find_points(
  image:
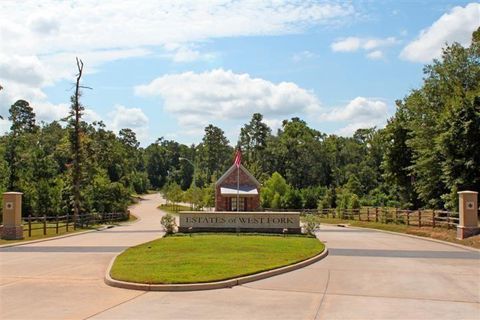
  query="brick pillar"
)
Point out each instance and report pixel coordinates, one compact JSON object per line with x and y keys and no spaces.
{"x":468,"y":211}
{"x":12,"y":216}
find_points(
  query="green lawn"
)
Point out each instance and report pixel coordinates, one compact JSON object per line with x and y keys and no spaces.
{"x":210,"y":257}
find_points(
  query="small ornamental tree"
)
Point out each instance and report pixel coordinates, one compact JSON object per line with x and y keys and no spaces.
{"x":168,"y":223}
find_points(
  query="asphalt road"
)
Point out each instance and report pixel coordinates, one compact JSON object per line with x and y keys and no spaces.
{"x":367,"y":275}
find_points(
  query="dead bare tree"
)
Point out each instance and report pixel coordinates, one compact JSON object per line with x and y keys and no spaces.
{"x":76,"y":141}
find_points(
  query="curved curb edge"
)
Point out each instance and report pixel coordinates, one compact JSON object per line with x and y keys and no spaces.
{"x":210,"y":285}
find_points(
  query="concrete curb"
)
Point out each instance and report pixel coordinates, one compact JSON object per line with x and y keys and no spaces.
{"x":413,"y":236}
{"x":210,"y":285}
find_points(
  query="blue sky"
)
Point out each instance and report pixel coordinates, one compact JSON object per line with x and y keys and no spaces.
{"x":170,"y":68}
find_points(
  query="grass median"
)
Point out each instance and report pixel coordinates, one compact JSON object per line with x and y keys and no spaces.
{"x":210,"y":257}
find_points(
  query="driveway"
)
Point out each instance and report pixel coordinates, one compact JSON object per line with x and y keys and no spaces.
{"x":367,"y":275}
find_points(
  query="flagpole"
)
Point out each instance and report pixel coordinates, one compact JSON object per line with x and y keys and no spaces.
{"x":238,"y":163}
{"x":238,"y":188}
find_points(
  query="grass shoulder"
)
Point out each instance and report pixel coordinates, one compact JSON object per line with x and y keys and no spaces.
{"x":37,"y":232}
{"x":210,"y":257}
{"x":169,"y":208}
{"x":440,"y":233}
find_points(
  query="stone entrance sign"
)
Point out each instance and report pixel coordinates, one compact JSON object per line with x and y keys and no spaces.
{"x":12,"y":216}
{"x":269,"y":222}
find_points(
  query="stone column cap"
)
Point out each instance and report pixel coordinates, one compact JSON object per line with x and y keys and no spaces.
{"x":13,"y":192}
{"x":467,"y":191}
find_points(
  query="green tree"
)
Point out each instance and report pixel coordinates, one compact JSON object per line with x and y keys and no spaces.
{"x":460,"y":146}
{"x":450,"y":85}
{"x":253,"y":142}
{"x":23,"y":126}
{"x":292,"y":199}
{"x":214,"y":154}
{"x":275,"y":185}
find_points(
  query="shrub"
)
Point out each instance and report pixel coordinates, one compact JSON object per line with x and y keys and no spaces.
{"x":168,"y":223}
{"x":354,"y":202}
{"x":311,"y":224}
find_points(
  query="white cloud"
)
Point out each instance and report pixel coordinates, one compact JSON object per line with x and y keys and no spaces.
{"x":72,"y":26}
{"x":46,"y":111}
{"x":89,"y":116}
{"x":274,"y":124}
{"x":133,"y":118}
{"x":43,"y":24}
{"x":196,"y":98}
{"x":63,"y":65}
{"x":375,"y":55}
{"x":22,"y":69}
{"x":360,"y":112}
{"x":304,"y":55}
{"x":185,"y":53}
{"x":456,"y":25}
{"x":346,"y":45}
{"x":352,"y":44}
{"x":4,"y":125}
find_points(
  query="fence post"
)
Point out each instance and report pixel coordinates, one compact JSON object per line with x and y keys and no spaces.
{"x":419,"y":218}
{"x":66,"y":226}
{"x":376,"y":214}
{"x":56,"y":223}
{"x":368,"y":214}
{"x":448,"y":219}
{"x":408,"y":217}
{"x":44,"y":225}
{"x":433,"y":218}
{"x":29,"y":225}
{"x":396,"y":215}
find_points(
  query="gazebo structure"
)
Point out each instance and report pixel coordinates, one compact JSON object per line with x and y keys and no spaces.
{"x":237,"y":183}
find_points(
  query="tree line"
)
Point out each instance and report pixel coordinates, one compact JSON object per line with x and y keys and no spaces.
{"x":429,"y":150}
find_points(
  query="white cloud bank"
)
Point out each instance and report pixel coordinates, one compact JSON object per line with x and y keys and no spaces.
{"x":360,"y":112}
{"x":52,"y":27}
{"x":133,"y":118}
{"x":352,"y":44}
{"x":454,"y":26}
{"x":39,"y":40}
{"x":194,"y":98}
{"x":373,"y":46}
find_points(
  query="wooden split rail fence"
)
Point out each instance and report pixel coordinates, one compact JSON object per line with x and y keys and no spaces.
{"x":418,"y":218}
{"x":44,"y":223}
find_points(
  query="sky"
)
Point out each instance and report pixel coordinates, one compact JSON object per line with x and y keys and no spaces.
{"x":169,"y":68}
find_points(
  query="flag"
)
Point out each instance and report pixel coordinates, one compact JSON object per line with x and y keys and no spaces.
{"x":238,"y":158}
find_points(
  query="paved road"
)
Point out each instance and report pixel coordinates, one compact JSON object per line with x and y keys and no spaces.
{"x":368,"y":275}
{"x":63,"y":278}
